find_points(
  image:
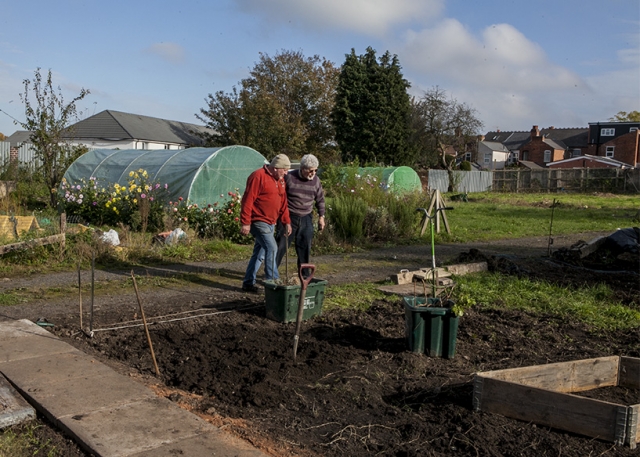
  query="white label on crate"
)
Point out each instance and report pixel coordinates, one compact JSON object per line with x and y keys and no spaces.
{"x":309,"y":303}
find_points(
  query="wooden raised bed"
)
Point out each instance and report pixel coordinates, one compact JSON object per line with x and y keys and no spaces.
{"x":543,"y":394}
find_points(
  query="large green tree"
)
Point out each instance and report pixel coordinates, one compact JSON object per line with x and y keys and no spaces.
{"x":440,"y":121}
{"x":282,"y":107}
{"x":372,"y":110}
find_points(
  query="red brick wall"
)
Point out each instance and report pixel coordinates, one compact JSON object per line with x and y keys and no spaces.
{"x":536,"y":148}
{"x":13,"y":154}
{"x":626,"y":148}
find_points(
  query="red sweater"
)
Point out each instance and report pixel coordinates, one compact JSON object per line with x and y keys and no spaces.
{"x":264,"y":199}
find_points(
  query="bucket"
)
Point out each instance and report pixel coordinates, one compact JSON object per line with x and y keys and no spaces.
{"x":282,"y":301}
{"x":430,"y":330}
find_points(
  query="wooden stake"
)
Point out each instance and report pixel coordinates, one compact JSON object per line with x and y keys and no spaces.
{"x":80,"y":296}
{"x":144,"y":322}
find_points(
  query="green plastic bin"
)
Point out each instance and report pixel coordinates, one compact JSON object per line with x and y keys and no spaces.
{"x":282,"y":300}
{"x":430,"y":329}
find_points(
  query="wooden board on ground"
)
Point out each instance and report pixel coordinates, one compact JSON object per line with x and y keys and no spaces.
{"x":10,"y":225}
{"x":542,"y":394}
{"x":406,"y":276}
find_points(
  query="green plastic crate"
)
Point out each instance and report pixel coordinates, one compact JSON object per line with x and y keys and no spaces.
{"x":282,"y":301}
{"x":430,"y":330}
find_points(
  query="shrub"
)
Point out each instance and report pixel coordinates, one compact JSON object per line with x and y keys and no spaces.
{"x":363,"y":199}
{"x":212,"y":220}
{"x":347,"y":215}
{"x":137,"y":205}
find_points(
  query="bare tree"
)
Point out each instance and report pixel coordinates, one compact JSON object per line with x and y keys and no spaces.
{"x":48,"y":118}
{"x":440,"y":121}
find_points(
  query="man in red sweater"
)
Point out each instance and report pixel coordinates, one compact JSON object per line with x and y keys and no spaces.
{"x":263,"y":203}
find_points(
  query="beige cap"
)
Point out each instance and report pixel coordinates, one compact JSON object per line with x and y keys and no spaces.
{"x":281,"y":161}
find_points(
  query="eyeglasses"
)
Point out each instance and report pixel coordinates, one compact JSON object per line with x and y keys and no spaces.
{"x":310,"y":170}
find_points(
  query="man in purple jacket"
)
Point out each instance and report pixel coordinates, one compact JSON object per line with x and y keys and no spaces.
{"x":304,"y":190}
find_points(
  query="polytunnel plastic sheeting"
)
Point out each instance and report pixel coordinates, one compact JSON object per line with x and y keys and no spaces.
{"x":198,"y":175}
{"x":398,"y":179}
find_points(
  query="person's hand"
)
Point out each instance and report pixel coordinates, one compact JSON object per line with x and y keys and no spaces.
{"x":245,"y":229}
{"x":321,"y":223}
{"x":287,"y":229}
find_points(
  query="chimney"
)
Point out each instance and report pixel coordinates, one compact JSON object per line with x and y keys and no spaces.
{"x":480,"y":137}
{"x":535,"y":132}
{"x":551,"y":127}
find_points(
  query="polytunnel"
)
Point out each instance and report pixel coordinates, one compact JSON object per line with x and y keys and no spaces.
{"x":198,"y":175}
{"x":397,"y":179}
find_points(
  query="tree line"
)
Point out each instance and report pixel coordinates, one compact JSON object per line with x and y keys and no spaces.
{"x":358,"y":112}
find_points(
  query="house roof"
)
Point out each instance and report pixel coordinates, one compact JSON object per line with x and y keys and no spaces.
{"x":530,"y":165}
{"x":554,"y":144}
{"x":18,"y":137}
{"x":574,"y":137}
{"x":116,"y":125}
{"x":592,"y":158}
{"x":495,"y":146}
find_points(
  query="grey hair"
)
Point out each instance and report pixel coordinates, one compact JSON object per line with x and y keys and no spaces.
{"x":309,"y":161}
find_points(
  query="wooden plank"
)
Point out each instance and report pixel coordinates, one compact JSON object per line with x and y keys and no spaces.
{"x":573,"y":376}
{"x":406,"y":276}
{"x":633,"y":426}
{"x":629,"y":375}
{"x":32,"y":243}
{"x":585,"y":416}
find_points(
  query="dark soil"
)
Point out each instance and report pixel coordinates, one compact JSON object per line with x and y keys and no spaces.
{"x":356,"y":389}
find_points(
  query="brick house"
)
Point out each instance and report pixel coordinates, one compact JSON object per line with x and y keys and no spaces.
{"x":542,"y":146}
{"x":615,"y":140}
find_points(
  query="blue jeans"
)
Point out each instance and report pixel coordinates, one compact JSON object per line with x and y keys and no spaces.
{"x":264,"y":250}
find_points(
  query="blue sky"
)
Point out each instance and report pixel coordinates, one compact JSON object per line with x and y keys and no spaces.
{"x":518,"y":63}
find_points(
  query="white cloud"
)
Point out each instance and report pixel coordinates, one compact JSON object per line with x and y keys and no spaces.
{"x":170,"y":52}
{"x":370,"y":17}
{"x":501,"y":58}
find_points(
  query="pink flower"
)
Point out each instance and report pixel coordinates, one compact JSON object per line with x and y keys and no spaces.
{"x":143,"y":196}
{"x":229,"y":211}
{"x":180,"y":198}
{"x":95,"y":203}
{"x":236,"y":219}
{"x":150,"y":199}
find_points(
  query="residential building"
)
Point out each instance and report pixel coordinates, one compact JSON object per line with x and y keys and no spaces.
{"x":615,"y":140}
{"x":117,"y":130}
{"x":492,"y":155}
{"x":542,"y":146}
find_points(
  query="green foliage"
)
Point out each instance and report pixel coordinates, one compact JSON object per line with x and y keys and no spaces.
{"x":23,"y":441}
{"x":347,"y":215}
{"x":137,"y":205}
{"x":352,"y":296}
{"x":48,"y":118}
{"x":623,"y":116}
{"x":594,"y":305}
{"x":361,"y":198}
{"x":212,"y":220}
{"x":465,"y":165}
{"x":372,"y":108}
{"x":282,"y":107}
{"x":491,"y":216}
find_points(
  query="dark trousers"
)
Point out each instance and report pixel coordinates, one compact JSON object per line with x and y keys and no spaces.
{"x":302,"y":234}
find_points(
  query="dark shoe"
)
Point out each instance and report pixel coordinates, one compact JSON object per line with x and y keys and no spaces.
{"x":253,"y":289}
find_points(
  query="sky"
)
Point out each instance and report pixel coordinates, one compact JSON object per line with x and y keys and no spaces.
{"x":561,"y":63}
